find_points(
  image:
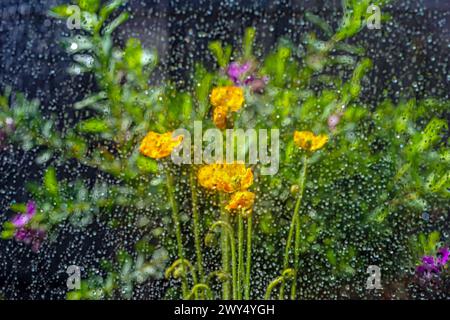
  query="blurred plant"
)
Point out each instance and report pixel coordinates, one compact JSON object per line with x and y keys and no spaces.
{"x":367,"y":177}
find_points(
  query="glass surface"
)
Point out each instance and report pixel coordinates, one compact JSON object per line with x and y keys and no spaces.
{"x":343,"y":190}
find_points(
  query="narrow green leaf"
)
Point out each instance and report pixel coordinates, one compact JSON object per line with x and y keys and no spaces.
{"x":321,"y":23}
{"x":89,"y":5}
{"x":50,"y":181}
{"x":61,"y":11}
{"x":7,"y":234}
{"x":249,"y":39}
{"x":94,"y":126}
{"x":123,"y":17}
{"x":18,"y":207}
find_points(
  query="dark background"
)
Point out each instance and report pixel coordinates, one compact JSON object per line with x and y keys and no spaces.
{"x":411,"y":59}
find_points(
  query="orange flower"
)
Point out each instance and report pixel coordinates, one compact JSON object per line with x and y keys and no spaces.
{"x":220,"y":117}
{"x":159,"y":146}
{"x":307,"y":140}
{"x":226,"y":177}
{"x":225,"y":99}
{"x":241,"y":200}
{"x":229,"y":97}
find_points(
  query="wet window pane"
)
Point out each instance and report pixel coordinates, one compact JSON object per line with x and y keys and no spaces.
{"x":234,"y":149}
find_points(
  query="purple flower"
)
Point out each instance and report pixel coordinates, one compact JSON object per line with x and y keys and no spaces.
{"x":237,"y":72}
{"x":244,"y":75}
{"x":22,"y":219}
{"x":433,"y":265}
{"x":428,"y":266}
{"x":333,"y":121}
{"x":443,"y":256}
{"x":29,"y":236}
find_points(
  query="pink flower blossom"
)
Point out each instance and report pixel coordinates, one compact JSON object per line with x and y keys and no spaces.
{"x":22,"y":219}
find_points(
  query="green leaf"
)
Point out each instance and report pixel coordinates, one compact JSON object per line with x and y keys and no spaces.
{"x":423,"y":241}
{"x":44,"y":157}
{"x":7,"y":234}
{"x":50,"y":181}
{"x":61,"y":11}
{"x":432,"y":133}
{"x":202,"y":89}
{"x":379,"y":214}
{"x":331,"y":257}
{"x":89,"y":5}
{"x":146,"y":164}
{"x":106,"y":11}
{"x":186,"y":108}
{"x":74,"y":295}
{"x":321,"y":23}
{"x":442,"y":184}
{"x":94,"y":126}
{"x":89,"y":21}
{"x":249,"y":39}
{"x":433,"y":239}
{"x":19,"y":207}
{"x":222,"y":55}
{"x":123,"y":17}
{"x":133,"y":55}
{"x":90,"y":100}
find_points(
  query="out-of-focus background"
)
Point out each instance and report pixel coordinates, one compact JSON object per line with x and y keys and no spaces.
{"x":410,"y":53}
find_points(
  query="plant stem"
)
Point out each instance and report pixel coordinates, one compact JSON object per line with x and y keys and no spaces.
{"x":225,"y":252}
{"x":286,"y":252}
{"x":295,"y":225}
{"x":302,"y":180}
{"x":176,"y":221}
{"x":240,"y":255}
{"x":198,"y":248}
{"x":233,"y":264}
{"x":272,"y":285}
{"x":249,"y":257}
{"x":229,"y":232}
{"x":201,"y":287}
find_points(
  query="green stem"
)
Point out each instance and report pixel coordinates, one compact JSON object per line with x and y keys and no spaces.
{"x":233,"y":265}
{"x":176,"y":221}
{"x":182,"y":262}
{"x":272,"y":285}
{"x":249,"y":257}
{"x":302,"y":180}
{"x":198,"y":248}
{"x":286,"y":275}
{"x":228,"y":230}
{"x":225,"y":253}
{"x":286,"y":252}
{"x":218,"y":274}
{"x":203,"y":287}
{"x":240,"y":255}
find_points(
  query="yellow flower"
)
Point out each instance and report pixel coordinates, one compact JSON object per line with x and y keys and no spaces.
{"x":158,"y":146}
{"x":220,"y":117}
{"x":229,"y":97}
{"x":227,"y":177}
{"x":307,"y":140}
{"x":241,"y":200}
{"x":225,"y":99}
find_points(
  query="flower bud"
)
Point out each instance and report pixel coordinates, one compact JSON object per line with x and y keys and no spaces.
{"x":9,"y":124}
{"x":222,"y":276}
{"x":333,"y":121}
{"x":178,"y":272}
{"x":210,"y":240}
